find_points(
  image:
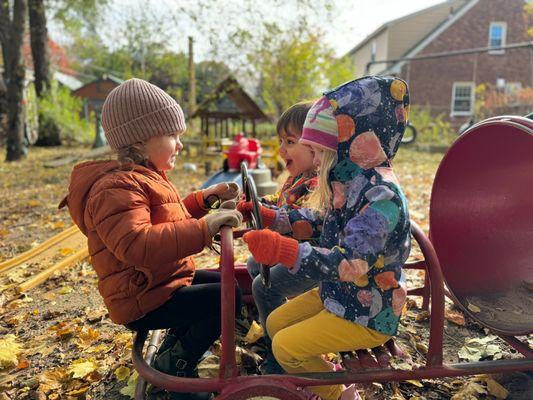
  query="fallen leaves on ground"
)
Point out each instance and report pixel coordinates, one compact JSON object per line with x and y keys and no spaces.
{"x":476,"y":349}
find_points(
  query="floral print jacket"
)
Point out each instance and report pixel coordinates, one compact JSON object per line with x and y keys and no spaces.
{"x":364,"y":236}
{"x":295,"y":191}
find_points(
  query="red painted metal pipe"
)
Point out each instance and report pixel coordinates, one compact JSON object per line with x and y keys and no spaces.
{"x":436,"y":284}
{"x":228,"y":364}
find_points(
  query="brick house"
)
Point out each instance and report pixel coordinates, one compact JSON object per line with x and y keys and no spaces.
{"x":447,"y":84}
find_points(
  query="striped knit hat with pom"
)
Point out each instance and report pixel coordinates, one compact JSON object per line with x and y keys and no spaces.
{"x":136,"y":110}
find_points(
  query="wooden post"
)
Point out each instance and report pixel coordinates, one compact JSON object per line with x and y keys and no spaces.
{"x":192,"y":83}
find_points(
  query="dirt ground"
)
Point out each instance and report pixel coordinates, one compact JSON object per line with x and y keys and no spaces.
{"x":69,"y":349}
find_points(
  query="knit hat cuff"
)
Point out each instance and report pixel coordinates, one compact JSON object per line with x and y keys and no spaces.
{"x":157,"y":123}
{"x":318,"y":138}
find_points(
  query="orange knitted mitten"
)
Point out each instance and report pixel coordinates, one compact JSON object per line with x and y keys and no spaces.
{"x":270,"y":248}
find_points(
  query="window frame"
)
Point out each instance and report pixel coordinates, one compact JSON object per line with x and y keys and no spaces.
{"x":453,"y":112}
{"x":503,"y":25}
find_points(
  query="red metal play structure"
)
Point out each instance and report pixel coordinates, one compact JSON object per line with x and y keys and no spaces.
{"x":480,"y":253}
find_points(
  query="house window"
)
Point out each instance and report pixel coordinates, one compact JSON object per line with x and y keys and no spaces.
{"x":497,"y":32}
{"x":462,"y":98}
{"x":373,"y":50}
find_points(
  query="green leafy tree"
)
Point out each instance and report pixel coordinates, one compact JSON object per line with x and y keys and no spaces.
{"x":295,"y":66}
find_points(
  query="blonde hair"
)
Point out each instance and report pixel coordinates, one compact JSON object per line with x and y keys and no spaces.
{"x":132,"y":154}
{"x":322,"y":196}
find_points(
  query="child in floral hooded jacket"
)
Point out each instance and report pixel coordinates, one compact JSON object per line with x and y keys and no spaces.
{"x":361,"y":222}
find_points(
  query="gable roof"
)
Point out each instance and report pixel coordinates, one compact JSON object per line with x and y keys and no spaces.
{"x":390,"y":24}
{"x":229,"y":99}
{"x":417,"y":48}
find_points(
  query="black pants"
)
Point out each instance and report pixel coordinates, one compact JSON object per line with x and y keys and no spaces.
{"x":194,"y":311}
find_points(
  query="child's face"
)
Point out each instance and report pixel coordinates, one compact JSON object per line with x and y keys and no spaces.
{"x":298,"y":157}
{"x":162,"y":150}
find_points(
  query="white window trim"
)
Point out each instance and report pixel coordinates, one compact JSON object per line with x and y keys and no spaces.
{"x":454,"y":113}
{"x":504,"y":36}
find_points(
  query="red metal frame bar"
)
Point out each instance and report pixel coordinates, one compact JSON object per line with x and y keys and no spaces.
{"x":436,"y":287}
{"x":228,"y":364}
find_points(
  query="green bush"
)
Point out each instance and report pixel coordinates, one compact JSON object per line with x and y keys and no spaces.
{"x":431,"y":130}
{"x":60,"y":110}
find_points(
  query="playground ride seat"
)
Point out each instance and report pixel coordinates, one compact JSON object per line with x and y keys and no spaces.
{"x":480,"y":226}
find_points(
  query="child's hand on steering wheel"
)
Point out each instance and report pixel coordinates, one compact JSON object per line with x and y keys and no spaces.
{"x":267,"y":214}
{"x":220,"y":192}
{"x":271,"y":248}
{"x":225,"y":215}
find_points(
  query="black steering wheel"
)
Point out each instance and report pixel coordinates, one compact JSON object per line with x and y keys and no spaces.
{"x":256,"y":222}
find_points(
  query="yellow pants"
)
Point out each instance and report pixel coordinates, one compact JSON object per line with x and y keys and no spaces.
{"x":302,"y":330}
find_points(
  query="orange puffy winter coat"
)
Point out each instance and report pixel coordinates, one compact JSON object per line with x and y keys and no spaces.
{"x":141,"y":235}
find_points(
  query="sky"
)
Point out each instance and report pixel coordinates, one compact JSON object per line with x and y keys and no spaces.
{"x":348,"y":23}
{"x":362,"y":17}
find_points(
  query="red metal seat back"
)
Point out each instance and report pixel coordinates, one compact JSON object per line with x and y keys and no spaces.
{"x":481,"y":222}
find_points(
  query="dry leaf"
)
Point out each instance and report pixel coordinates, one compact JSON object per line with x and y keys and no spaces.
{"x":100,"y":348}
{"x":473,"y":308}
{"x":422,"y":316}
{"x":496,"y":389}
{"x":122,"y":373}
{"x":254,"y":333}
{"x":9,"y":351}
{"x":66,"y":251}
{"x":23,"y":364}
{"x":65,"y":290}
{"x":456,"y":317}
{"x":415,"y":383}
{"x":58,"y":225}
{"x":398,"y":363}
{"x":53,"y":378}
{"x":87,"y":336}
{"x":469,"y":391}
{"x":129,"y":389}
{"x":81,"y":368}
{"x":123,"y":339}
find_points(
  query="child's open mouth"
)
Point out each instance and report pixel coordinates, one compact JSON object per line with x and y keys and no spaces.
{"x":288,"y":163}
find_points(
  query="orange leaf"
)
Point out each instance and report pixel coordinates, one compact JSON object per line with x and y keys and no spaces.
{"x":23,"y":363}
{"x":456,"y":317}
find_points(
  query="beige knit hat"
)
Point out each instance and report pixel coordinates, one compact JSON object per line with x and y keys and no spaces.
{"x":136,"y":110}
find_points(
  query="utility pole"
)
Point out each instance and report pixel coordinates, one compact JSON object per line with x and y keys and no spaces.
{"x":192,"y":82}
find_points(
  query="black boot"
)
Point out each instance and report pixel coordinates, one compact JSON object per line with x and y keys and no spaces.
{"x":173,"y":359}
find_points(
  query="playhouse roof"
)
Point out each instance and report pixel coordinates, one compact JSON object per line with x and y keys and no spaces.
{"x":229,"y":100}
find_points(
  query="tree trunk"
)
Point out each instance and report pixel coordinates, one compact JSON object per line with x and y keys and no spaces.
{"x":39,"y":46}
{"x":14,"y":72}
{"x":49,"y":132}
